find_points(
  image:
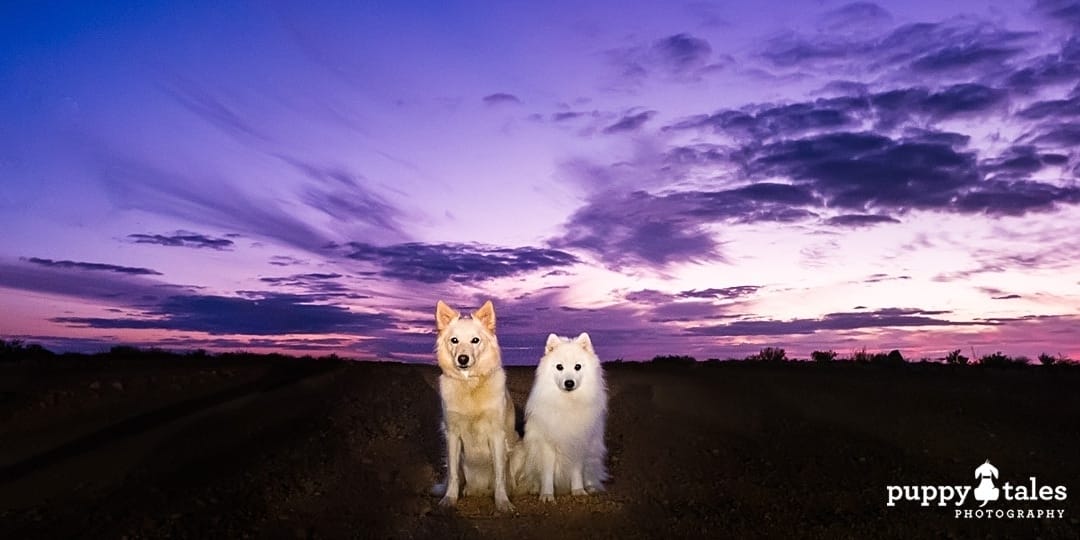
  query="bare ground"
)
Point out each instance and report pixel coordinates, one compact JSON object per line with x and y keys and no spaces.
{"x":282,"y":448}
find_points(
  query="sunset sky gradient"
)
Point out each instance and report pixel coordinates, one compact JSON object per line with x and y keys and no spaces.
{"x":674,"y":178}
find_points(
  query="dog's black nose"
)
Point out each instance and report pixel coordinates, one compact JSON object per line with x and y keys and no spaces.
{"x":569,"y":385}
{"x":463,"y":360}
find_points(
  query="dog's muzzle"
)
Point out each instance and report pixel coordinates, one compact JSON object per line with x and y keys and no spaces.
{"x":568,"y":384}
{"x":463,"y":360}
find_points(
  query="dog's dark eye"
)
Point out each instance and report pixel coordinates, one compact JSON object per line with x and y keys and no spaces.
{"x":558,"y":367}
{"x":577,"y":367}
{"x":454,"y":340}
{"x":475,"y":340}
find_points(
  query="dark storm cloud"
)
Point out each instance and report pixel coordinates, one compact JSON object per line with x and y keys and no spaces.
{"x":859,"y":220}
{"x":884,"y":110}
{"x":855,"y":15}
{"x":101,"y":267}
{"x":721,"y":293}
{"x":1016,"y":198}
{"x":682,"y":53}
{"x":953,"y":48}
{"x":679,"y":56}
{"x":862,"y":171}
{"x":962,"y":56}
{"x":687,"y":306}
{"x":1061,"y":67}
{"x":1054,"y":108}
{"x":438,"y":263}
{"x":884,"y":318}
{"x":183,"y":239}
{"x":501,"y":98}
{"x":658,"y":230}
{"x":315,"y":286}
{"x":772,"y":121}
{"x":1065,"y":11}
{"x":865,"y":170}
{"x":268,"y":315}
{"x":1058,"y":135}
{"x":566,"y":115}
{"x":630,"y":122}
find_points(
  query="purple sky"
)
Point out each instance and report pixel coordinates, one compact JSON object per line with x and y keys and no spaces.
{"x":687,"y":178}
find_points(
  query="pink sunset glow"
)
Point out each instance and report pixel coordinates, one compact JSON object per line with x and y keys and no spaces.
{"x":698,"y":178}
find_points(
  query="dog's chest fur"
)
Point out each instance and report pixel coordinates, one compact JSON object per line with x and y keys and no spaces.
{"x":474,"y":400}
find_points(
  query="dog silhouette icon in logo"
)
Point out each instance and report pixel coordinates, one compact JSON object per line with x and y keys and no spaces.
{"x":985,"y":491}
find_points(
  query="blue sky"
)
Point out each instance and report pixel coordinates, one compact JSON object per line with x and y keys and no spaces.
{"x":696,"y":178}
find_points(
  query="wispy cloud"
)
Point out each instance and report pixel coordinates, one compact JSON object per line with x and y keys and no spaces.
{"x":883,"y":318}
{"x":183,"y":239}
{"x":136,"y":185}
{"x":99,"y":267}
{"x":108,"y":287}
{"x":266,"y":315}
{"x":438,"y":263}
{"x":501,"y":98}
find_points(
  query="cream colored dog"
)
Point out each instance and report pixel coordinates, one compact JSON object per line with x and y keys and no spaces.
{"x":478,"y":414}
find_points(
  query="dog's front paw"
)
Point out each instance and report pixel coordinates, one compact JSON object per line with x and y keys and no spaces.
{"x":579,"y":492}
{"x":547,"y":497}
{"x":447,"y":501}
{"x":593,"y":489}
{"x":504,"y":506}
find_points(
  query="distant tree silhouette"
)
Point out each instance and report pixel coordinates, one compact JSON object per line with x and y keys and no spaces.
{"x":894,"y":358}
{"x":998,"y":359}
{"x":770,"y":354}
{"x":671,"y":360}
{"x":823,"y":356}
{"x":861,"y":356}
{"x":124,"y":351}
{"x":16,"y":350}
{"x":955,"y":358}
{"x":1046,"y":359}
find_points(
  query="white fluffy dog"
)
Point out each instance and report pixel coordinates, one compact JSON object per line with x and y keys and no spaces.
{"x":478,"y":414}
{"x":563,"y":449}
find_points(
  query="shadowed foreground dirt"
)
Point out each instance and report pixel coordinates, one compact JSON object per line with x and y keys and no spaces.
{"x":282,"y":448}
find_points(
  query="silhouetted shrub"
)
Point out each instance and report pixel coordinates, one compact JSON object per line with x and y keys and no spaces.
{"x":769,"y":354}
{"x":894,"y":358}
{"x":955,"y":358}
{"x":1000,"y":360}
{"x":861,"y":356}
{"x":16,"y":350}
{"x":1046,"y":359}
{"x":823,"y":356}
{"x":672,"y":360}
{"x":124,"y":351}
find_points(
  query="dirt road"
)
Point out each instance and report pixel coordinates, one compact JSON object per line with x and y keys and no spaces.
{"x":232,"y":448}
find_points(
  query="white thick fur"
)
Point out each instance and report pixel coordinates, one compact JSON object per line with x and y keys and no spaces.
{"x":478,"y":414}
{"x":563,"y":449}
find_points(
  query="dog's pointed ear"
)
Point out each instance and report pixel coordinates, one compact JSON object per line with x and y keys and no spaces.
{"x":486,"y":315}
{"x":444,"y":315}
{"x":552,"y":342}
{"x":585,"y":341}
